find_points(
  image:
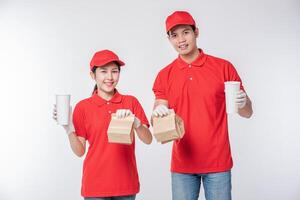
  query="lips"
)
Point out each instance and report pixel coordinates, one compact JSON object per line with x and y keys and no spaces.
{"x":109,"y":84}
{"x":183,"y":46}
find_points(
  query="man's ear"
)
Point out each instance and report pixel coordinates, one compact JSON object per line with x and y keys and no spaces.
{"x":93,"y":76}
{"x":196,"y":32}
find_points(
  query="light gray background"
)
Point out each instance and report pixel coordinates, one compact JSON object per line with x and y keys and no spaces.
{"x":46,"y":46}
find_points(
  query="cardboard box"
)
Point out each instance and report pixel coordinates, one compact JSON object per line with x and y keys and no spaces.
{"x":120,"y":130}
{"x":168,"y":128}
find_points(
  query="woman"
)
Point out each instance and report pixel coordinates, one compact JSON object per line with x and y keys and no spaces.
{"x":109,"y":170}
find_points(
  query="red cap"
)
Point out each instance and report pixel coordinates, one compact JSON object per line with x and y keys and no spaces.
{"x":103,"y":57}
{"x":178,"y":18}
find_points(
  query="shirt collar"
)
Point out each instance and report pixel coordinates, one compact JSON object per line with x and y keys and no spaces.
{"x":99,"y":101}
{"x":200,"y":60}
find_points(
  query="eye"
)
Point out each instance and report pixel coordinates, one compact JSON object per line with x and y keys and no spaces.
{"x":173,"y":35}
{"x":186,"y":32}
{"x":115,"y":71}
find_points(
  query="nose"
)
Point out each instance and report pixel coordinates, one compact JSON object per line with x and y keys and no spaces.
{"x":109,"y":75}
{"x":181,"y":38}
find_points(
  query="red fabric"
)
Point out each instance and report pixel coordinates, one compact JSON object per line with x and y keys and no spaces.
{"x":103,"y":57}
{"x":109,"y":169}
{"x":197,"y":95}
{"x":179,"y":18}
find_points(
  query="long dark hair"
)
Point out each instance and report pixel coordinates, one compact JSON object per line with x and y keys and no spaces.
{"x":94,"y":71}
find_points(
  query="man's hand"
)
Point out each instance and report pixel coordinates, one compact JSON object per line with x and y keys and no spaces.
{"x":160,"y":111}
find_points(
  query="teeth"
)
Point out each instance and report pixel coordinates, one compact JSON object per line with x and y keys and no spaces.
{"x":183,"y":46}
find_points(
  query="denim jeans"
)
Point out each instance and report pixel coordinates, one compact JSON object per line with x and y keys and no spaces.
{"x":217,"y":186}
{"x":131,"y":197}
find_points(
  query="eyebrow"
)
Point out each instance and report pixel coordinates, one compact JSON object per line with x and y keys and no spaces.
{"x":185,"y":29}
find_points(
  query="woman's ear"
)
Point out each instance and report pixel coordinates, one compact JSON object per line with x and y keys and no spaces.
{"x":92,"y":74}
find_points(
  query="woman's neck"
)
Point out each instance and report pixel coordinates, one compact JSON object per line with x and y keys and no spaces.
{"x":106,"y":95}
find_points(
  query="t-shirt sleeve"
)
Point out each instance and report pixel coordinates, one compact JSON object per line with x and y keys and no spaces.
{"x":231,"y":74}
{"x":79,"y":121}
{"x":159,"y":87}
{"x":138,"y":111}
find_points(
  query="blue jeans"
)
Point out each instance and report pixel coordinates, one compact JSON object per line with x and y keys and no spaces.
{"x":131,"y":197}
{"x":217,"y":186}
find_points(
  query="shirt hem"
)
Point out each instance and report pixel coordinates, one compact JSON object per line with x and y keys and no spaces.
{"x":109,"y":194}
{"x":199,"y":171}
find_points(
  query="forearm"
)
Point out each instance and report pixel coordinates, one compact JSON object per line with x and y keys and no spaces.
{"x":77,"y":146}
{"x":144,"y":134}
{"x":246,"y":111}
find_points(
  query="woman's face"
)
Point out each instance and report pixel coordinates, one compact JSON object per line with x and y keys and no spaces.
{"x":107,"y":77}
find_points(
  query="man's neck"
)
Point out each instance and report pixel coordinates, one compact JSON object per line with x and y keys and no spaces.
{"x":191,"y":57}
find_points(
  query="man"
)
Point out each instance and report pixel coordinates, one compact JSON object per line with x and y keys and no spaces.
{"x":193,"y":85}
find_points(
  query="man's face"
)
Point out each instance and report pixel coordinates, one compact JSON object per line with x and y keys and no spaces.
{"x":183,"y":39}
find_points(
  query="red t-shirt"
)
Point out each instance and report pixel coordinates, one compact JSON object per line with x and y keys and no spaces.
{"x":196,"y":92}
{"x":109,"y":169}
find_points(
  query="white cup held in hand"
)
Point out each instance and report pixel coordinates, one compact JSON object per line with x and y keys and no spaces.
{"x":231,"y":89}
{"x":63,"y":108}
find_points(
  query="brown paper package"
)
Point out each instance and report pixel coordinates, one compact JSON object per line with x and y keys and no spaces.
{"x":120,"y":130}
{"x":168,"y":128}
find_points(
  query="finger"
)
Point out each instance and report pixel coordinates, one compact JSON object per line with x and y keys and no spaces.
{"x":155,"y":113}
{"x":160,"y":112}
{"x":241,"y":95}
{"x":164,"y":110}
{"x":123,"y":113}
{"x":127,"y":113}
{"x":240,"y":100}
{"x":118,"y":114}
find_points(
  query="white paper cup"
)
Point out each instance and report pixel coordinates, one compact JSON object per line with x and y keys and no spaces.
{"x":231,"y":89}
{"x":63,"y":108}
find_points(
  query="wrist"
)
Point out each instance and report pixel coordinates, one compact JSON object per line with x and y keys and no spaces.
{"x":137,"y":123}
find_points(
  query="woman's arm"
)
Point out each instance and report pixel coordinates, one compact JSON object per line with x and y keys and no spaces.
{"x":144,"y":134}
{"x":77,"y":144}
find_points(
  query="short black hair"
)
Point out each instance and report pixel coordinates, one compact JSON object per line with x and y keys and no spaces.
{"x":193,"y":28}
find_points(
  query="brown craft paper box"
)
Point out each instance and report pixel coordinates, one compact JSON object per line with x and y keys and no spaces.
{"x":168,"y":128}
{"x":120,"y":130}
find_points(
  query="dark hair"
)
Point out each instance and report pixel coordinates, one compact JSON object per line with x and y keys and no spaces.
{"x":94,"y":71}
{"x":193,"y":28}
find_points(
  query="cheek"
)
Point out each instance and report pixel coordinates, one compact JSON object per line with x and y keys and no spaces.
{"x":99,"y":78}
{"x":173,"y":42}
{"x":116,"y":77}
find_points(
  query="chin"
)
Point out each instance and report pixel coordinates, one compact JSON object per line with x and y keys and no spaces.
{"x":184,"y":52}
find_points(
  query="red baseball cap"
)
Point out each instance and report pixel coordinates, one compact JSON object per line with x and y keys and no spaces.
{"x":103,"y":57}
{"x":178,"y":18}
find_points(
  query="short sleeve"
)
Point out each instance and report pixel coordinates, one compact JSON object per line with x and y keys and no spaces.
{"x":159,"y":87}
{"x":231,"y":74}
{"x":79,"y":121}
{"x":138,"y":111}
